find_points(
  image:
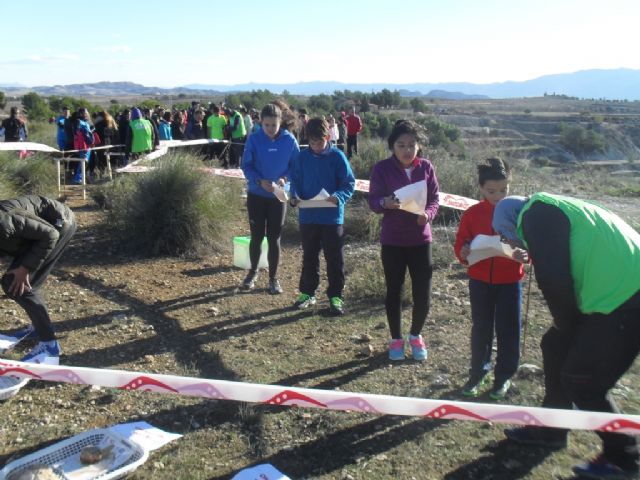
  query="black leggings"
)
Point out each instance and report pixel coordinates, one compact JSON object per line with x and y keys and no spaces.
{"x":395,"y":261}
{"x":265,"y":214}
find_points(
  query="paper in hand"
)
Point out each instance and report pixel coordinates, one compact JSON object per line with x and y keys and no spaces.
{"x":319,"y":201}
{"x":413,"y":197}
{"x":486,"y":246}
{"x":280,"y":192}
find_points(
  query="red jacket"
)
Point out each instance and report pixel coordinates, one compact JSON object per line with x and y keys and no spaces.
{"x":476,"y":220}
{"x":354,"y":124}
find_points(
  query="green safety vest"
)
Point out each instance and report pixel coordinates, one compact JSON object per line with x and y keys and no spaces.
{"x":142,"y":139}
{"x":604,"y":251}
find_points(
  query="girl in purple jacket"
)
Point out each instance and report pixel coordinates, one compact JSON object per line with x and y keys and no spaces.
{"x":405,"y":237}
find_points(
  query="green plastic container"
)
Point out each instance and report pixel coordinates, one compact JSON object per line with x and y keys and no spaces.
{"x":241,"y":253}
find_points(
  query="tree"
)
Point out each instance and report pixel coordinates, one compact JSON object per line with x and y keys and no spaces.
{"x":321,"y":103}
{"x":580,"y":141}
{"x":418,"y":105}
{"x":36,"y":107}
{"x":3,"y":102}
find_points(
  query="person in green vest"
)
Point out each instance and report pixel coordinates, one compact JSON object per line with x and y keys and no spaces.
{"x":587,"y":265}
{"x":140,"y":136}
{"x":238,"y":136}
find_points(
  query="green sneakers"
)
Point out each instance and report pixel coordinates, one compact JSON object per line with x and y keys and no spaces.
{"x":498,"y":392}
{"x":336,"y":306}
{"x":304,"y":301}
{"x":473,"y":386}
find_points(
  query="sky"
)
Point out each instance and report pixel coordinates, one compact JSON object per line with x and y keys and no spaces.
{"x":169,"y":43}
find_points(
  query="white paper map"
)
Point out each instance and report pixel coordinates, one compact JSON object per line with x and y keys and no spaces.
{"x":413,"y":197}
{"x":486,"y":246}
{"x":319,"y":201}
{"x":144,"y":434}
{"x":280,"y":192}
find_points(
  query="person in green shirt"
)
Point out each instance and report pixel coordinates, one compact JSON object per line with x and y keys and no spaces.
{"x":215,"y":130}
{"x":587,"y":265}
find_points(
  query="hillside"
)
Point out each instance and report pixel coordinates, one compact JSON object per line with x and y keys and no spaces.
{"x":599,"y":84}
{"x":530,"y":128}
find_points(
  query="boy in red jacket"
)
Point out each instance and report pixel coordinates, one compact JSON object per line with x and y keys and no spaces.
{"x":495,"y":289}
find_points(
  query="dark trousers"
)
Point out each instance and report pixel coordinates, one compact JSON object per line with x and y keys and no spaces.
{"x":582,"y":366}
{"x":265,"y":215}
{"x":329,"y":239}
{"x":237,"y":149}
{"x":495,"y":307}
{"x":352,"y":145}
{"x":32,"y":302}
{"x":395,"y":261}
{"x":221,"y":152}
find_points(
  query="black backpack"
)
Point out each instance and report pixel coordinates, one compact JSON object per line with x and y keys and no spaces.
{"x":12,"y":129}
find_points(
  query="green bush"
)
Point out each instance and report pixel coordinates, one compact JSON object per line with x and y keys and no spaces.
{"x":458,"y":177}
{"x":581,"y":141}
{"x":35,"y":175}
{"x":42,"y":132}
{"x":370,"y":152}
{"x":172,"y":210}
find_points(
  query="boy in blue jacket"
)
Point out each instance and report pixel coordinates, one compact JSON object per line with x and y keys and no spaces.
{"x":321,"y":166}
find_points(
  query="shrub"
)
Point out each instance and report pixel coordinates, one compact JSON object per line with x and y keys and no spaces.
{"x":580,"y":141}
{"x":35,"y":175}
{"x":370,"y":152}
{"x":42,"y":132}
{"x":172,"y":210}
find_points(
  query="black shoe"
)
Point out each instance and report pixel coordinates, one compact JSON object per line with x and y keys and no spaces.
{"x":274,"y":286}
{"x":250,"y":280}
{"x":538,"y":436}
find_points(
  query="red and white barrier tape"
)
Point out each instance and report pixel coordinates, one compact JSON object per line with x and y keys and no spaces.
{"x":41,"y":147}
{"x":446,"y":199}
{"x":325,"y":399}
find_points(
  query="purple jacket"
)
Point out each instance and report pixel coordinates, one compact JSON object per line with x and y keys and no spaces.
{"x":400,"y":228}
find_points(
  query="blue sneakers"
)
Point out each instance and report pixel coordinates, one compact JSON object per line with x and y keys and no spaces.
{"x":26,"y":333}
{"x":396,"y":349}
{"x":418,"y":348}
{"x":44,"y":352}
{"x":600,"y":468}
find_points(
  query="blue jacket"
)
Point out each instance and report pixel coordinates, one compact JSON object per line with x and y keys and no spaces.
{"x":268,"y":159}
{"x":61,"y":136}
{"x":164,"y":130}
{"x":329,"y":170}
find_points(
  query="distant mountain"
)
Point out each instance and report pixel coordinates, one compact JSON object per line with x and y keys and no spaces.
{"x":615,"y":84}
{"x":105,"y":89}
{"x":453,"y":95}
{"x":610,"y":84}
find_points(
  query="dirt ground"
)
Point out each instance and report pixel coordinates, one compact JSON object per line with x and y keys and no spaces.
{"x":187,"y":317}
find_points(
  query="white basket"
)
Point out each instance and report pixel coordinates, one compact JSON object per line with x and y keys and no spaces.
{"x":9,"y":386}
{"x":64,"y":457}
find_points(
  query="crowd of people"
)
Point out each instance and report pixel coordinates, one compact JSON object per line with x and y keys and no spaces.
{"x":138,"y":131}
{"x":586,"y":258}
